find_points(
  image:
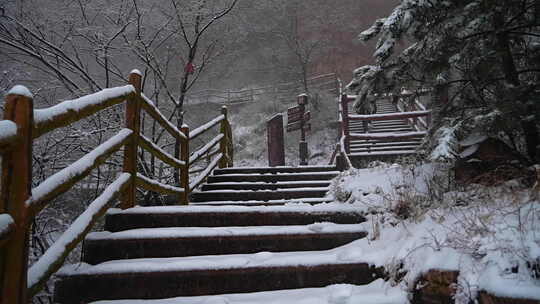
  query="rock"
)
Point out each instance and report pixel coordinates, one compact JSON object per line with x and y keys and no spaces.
{"x":488,"y":161}
{"x":435,"y":287}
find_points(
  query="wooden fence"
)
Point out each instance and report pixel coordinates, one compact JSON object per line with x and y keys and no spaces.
{"x":19,"y":204}
{"x":409,"y":107}
{"x":281,"y":92}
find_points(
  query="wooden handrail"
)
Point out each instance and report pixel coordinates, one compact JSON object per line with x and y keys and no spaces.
{"x":154,"y":112}
{"x":155,"y":150}
{"x":152,"y":185}
{"x":55,"y":256}
{"x":207,"y":126}
{"x":65,"y":179}
{"x":202,"y":151}
{"x":18,"y":202}
{"x":70,"y":111}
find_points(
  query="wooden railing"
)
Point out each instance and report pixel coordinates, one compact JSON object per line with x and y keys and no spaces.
{"x":412,"y":114}
{"x":282,"y":91}
{"x":19,"y":204}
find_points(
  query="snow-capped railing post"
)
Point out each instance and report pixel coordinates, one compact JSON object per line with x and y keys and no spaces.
{"x":133,"y":113}
{"x":345,"y":121}
{"x":223,"y":143}
{"x":16,"y":190}
{"x":184,"y":172}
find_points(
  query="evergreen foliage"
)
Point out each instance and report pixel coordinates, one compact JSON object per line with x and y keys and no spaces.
{"x":480,"y":57}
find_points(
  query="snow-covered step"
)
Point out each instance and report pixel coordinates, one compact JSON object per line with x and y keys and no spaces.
{"x":192,"y":241}
{"x":364,"y":143}
{"x":380,"y":130}
{"x":263,"y":185}
{"x":383,"y":153}
{"x":279,"y":169}
{"x":261,"y":195}
{"x":280,"y":202}
{"x":380,"y":149}
{"x":213,"y":274}
{"x":270,"y":177}
{"x":223,"y":216}
{"x":376,"y":292}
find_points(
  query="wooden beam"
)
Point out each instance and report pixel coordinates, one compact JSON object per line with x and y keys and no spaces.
{"x":155,"y":150}
{"x":71,"y":111}
{"x":65,"y":179}
{"x":155,"y":186}
{"x":154,"y":112}
{"x":55,"y":256}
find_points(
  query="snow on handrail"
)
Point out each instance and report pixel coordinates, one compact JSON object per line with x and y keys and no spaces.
{"x":197,"y":154}
{"x":7,"y":226}
{"x":154,"y":185}
{"x":204,"y":174}
{"x":146,"y":143}
{"x":207,"y":126}
{"x":69,"y":111}
{"x":8,"y":134}
{"x":64,"y":179}
{"x":153,"y":111}
{"x":54,"y":257}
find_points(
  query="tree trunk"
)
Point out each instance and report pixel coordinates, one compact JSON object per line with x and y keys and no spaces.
{"x":530,"y":130}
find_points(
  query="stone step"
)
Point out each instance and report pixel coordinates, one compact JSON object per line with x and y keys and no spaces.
{"x":280,"y":169}
{"x":272,"y":177}
{"x":263,"y":186}
{"x":226,"y":216}
{"x":376,"y":292}
{"x":210,"y":275}
{"x":193,"y":241}
{"x":260,"y":195}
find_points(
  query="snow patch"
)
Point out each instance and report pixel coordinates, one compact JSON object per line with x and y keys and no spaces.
{"x":20,"y":90}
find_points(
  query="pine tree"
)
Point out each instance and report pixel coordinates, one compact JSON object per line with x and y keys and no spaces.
{"x":481,"y":57}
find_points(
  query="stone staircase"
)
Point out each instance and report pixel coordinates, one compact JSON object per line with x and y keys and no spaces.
{"x":248,"y":230}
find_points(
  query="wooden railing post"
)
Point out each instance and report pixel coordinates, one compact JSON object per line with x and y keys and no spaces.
{"x":223,"y":147}
{"x":345,"y":121}
{"x":133,"y":118}
{"x":16,"y":189}
{"x":184,"y":172}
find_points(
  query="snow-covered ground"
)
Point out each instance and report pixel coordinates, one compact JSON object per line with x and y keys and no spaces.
{"x":419,"y":221}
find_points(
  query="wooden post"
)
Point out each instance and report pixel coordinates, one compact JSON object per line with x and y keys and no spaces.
{"x":184,"y":172}
{"x":302,"y":147}
{"x":133,"y":118}
{"x":345,"y":121}
{"x":275,"y":141}
{"x":223,"y":143}
{"x":16,"y":189}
